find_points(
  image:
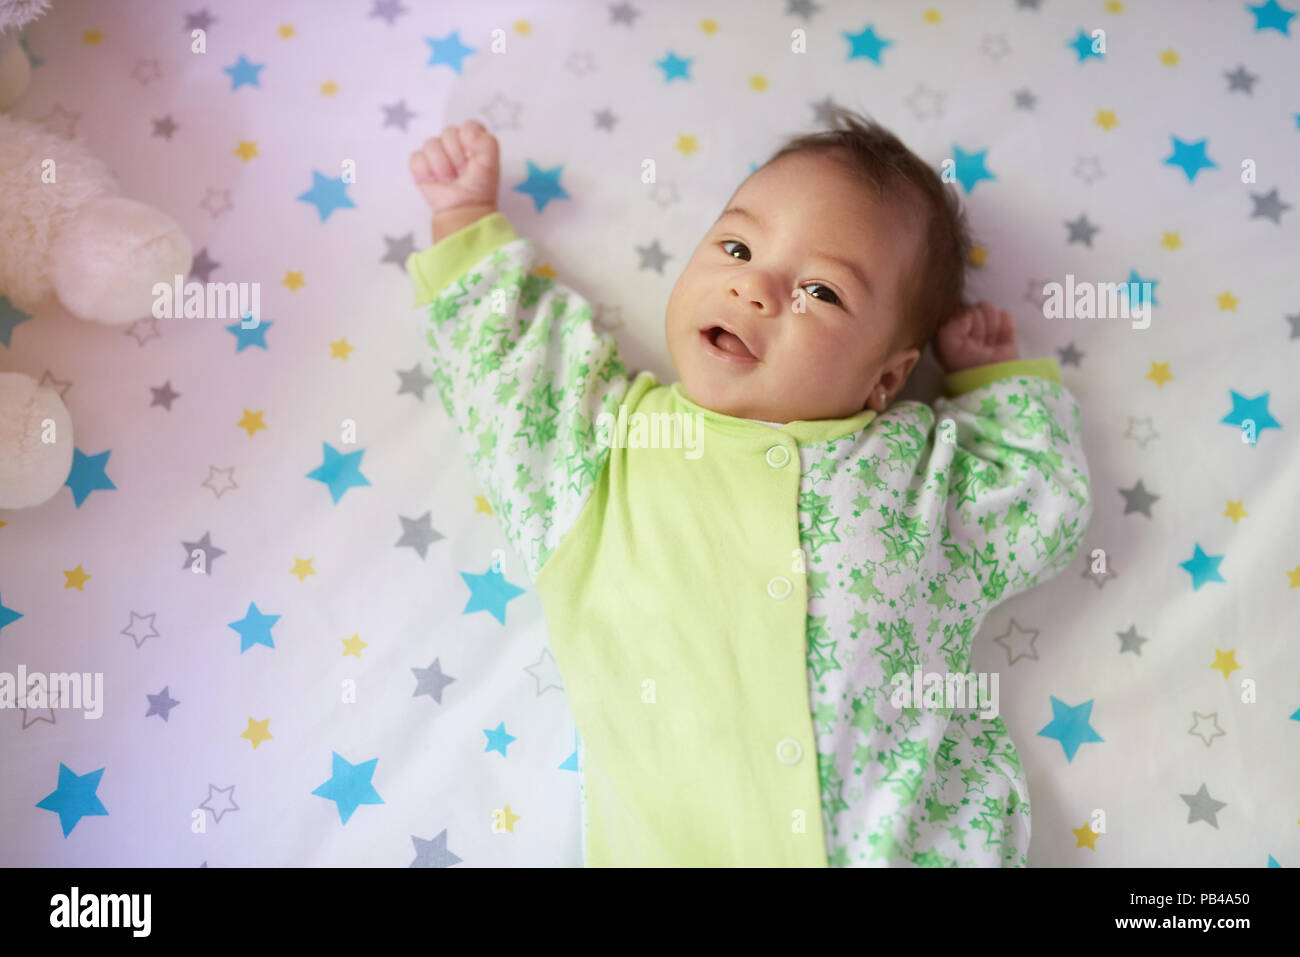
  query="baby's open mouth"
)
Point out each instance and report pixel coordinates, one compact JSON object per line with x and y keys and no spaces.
{"x":724,"y":341}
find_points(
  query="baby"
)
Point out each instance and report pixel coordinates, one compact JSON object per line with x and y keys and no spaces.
{"x":740,"y":630}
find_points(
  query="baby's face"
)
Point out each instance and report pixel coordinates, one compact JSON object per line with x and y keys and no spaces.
{"x":813,"y":235}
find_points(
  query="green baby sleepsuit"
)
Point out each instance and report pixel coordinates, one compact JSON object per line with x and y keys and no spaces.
{"x":727,"y":622}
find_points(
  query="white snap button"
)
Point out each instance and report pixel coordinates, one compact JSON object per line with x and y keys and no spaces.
{"x":778,"y":456}
{"x":779,"y":587}
{"x":789,"y":751}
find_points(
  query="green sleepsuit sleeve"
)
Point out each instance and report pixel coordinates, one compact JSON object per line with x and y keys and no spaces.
{"x":523,"y":372}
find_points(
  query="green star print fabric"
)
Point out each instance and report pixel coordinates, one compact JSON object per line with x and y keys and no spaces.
{"x":911,"y":527}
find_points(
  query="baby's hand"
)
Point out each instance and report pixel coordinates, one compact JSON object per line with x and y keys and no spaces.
{"x":458,"y":169}
{"x":979,"y":336}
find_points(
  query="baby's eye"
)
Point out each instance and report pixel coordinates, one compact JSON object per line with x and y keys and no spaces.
{"x":732,"y":242}
{"x":834,"y":300}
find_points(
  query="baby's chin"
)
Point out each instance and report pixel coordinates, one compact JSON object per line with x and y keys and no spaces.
{"x":725,"y":398}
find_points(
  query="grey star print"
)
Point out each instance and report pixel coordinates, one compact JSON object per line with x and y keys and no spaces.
{"x":653,"y":256}
{"x":1138,"y":499}
{"x":1203,"y":807}
{"x":387,"y":10}
{"x":1081,"y":230}
{"x":433,"y":853}
{"x":165,"y":127}
{"x":414,"y":381}
{"x":1130,"y":640}
{"x":418,"y":533}
{"x":1070,"y":356}
{"x":203,"y":266}
{"x":163,"y":395}
{"x":161,"y":704}
{"x":399,"y":249}
{"x":431,"y":681}
{"x":198,"y":21}
{"x":397,"y":115}
{"x":1239,"y":79}
{"x":210,"y":553}
{"x":623,"y":13}
{"x":1269,"y":206}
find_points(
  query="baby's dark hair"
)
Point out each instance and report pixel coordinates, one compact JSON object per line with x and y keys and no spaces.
{"x":935,"y":288}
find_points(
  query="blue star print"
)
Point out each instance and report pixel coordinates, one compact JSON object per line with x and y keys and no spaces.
{"x":498,"y":739}
{"x":448,"y":50}
{"x":1070,"y":726}
{"x":74,"y":798}
{"x":244,"y":73}
{"x":1254,"y":410}
{"x":349,"y":786}
{"x":1190,"y":157}
{"x":1137,"y":293}
{"x":7,"y":615}
{"x":10,"y":317}
{"x":674,"y":67}
{"x":489,"y":592}
{"x":254,"y":628}
{"x":340,"y":472}
{"x":542,"y":185}
{"x":327,"y":195}
{"x":1202,"y":567}
{"x":87,"y":474}
{"x":866,"y":44}
{"x":1082,"y":45}
{"x":255,"y":336}
{"x":1272,"y":16}
{"x":970,"y":167}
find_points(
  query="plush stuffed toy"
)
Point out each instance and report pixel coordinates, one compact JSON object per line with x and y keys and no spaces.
{"x":66,"y":234}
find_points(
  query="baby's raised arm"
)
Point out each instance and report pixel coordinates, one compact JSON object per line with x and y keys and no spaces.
{"x":458,"y":174}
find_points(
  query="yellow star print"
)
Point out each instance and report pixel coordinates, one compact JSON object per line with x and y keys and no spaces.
{"x":256,"y":732}
{"x":329,"y":88}
{"x":1171,"y":241}
{"x":1114,"y":6}
{"x":1168,"y":57}
{"x":76,"y":578}
{"x":1086,"y":837}
{"x":91,"y":37}
{"x":708,"y":26}
{"x":1159,"y":373}
{"x":1235,"y":511}
{"x":507,"y":818}
{"x":285,"y":30}
{"x":758,"y":83}
{"x":686,"y":144}
{"x":1226,"y":662}
{"x":931,"y":15}
{"x":1228,"y":302}
{"x":246,"y":150}
{"x":978,"y":255}
{"x":293,"y":280}
{"x":302,"y":568}
{"x":352,"y":646}
{"x":481,"y":504}
{"x":251,"y":421}
{"x":1106,"y":119}
{"x":523,"y":27}
{"x":1294,"y":575}
{"x":545,"y":271}
{"x":340,"y":349}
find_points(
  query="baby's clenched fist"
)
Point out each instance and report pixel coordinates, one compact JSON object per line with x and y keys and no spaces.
{"x":459,"y":168}
{"x":979,"y":336}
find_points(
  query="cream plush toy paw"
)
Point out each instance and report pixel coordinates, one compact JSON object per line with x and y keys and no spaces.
{"x":66,"y":233}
